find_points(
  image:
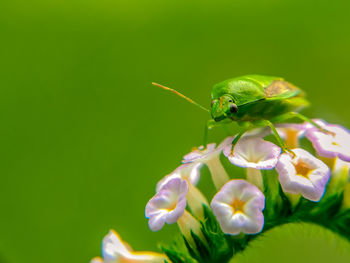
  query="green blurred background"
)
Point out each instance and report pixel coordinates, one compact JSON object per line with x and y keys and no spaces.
{"x":84,"y":137}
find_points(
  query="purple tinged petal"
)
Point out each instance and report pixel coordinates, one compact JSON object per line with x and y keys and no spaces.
{"x":250,"y":220}
{"x":226,"y":142}
{"x":157,"y":221}
{"x":200,"y":153}
{"x":253,"y":153}
{"x":329,"y":145}
{"x":254,"y":226}
{"x":165,"y":180}
{"x":168,"y":205}
{"x":186,"y":171}
{"x":195,"y":173}
{"x":313,"y":185}
{"x":175,"y":214}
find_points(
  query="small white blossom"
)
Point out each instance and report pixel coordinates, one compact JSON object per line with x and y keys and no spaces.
{"x":114,"y":250}
{"x":238,"y":208}
{"x":253,"y":153}
{"x":304,"y":174}
{"x":190,"y":173}
{"x":168,"y":205}
{"x":336,"y":143}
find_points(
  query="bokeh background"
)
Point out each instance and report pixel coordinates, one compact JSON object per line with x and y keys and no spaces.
{"x":84,"y":137}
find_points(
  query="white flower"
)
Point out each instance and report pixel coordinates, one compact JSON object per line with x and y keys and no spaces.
{"x":253,"y":153}
{"x":190,"y":173}
{"x":114,"y":250}
{"x":168,"y":205}
{"x":336,"y":143}
{"x":238,"y":208}
{"x":304,"y":174}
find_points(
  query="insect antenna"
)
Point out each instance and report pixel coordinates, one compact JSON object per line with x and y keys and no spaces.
{"x":181,"y":95}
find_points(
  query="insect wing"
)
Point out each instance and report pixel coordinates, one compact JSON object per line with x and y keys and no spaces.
{"x":280,"y":89}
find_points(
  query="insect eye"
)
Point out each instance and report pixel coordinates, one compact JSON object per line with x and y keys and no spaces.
{"x":233,"y":108}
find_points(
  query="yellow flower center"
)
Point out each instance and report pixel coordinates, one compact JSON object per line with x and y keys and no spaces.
{"x":335,"y":143}
{"x":302,"y":169}
{"x":172,"y":206}
{"x":238,"y":206}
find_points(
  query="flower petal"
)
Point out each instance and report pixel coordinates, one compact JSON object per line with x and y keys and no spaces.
{"x":113,"y":247}
{"x":330,"y":145}
{"x":168,"y":205}
{"x":253,"y":153}
{"x":200,"y":153}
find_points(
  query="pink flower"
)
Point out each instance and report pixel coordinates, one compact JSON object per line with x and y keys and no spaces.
{"x":168,"y":205}
{"x":333,"y":144}
{"x":304,"y":174}
{"x":253,"y":153}
{"x":190,"y":173}
{"x":238,"y":207}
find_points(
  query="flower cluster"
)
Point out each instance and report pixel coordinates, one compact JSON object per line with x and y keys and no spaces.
{"x":275,"y":187}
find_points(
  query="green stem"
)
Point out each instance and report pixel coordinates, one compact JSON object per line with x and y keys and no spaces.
{"x":195,"y":200}
{"x":188,"y":223}
{"x":254,"y":177}
{"x":218,"y":172}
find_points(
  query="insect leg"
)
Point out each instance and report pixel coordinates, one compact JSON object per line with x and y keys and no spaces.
{"x":291,"y":115}
{"x":304,"y":118}
{"x":236,"y":139}
{"x":210,"y":125}
{"x":205,"y":137}
{"x":277,"y":136}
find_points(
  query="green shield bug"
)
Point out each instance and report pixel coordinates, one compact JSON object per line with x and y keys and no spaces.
{"x":254,"y":101}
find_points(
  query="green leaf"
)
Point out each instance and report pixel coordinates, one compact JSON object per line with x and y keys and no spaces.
{"x":177,"y":253}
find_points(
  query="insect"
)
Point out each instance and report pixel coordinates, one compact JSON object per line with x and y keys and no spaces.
{"x":254,"y":101}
